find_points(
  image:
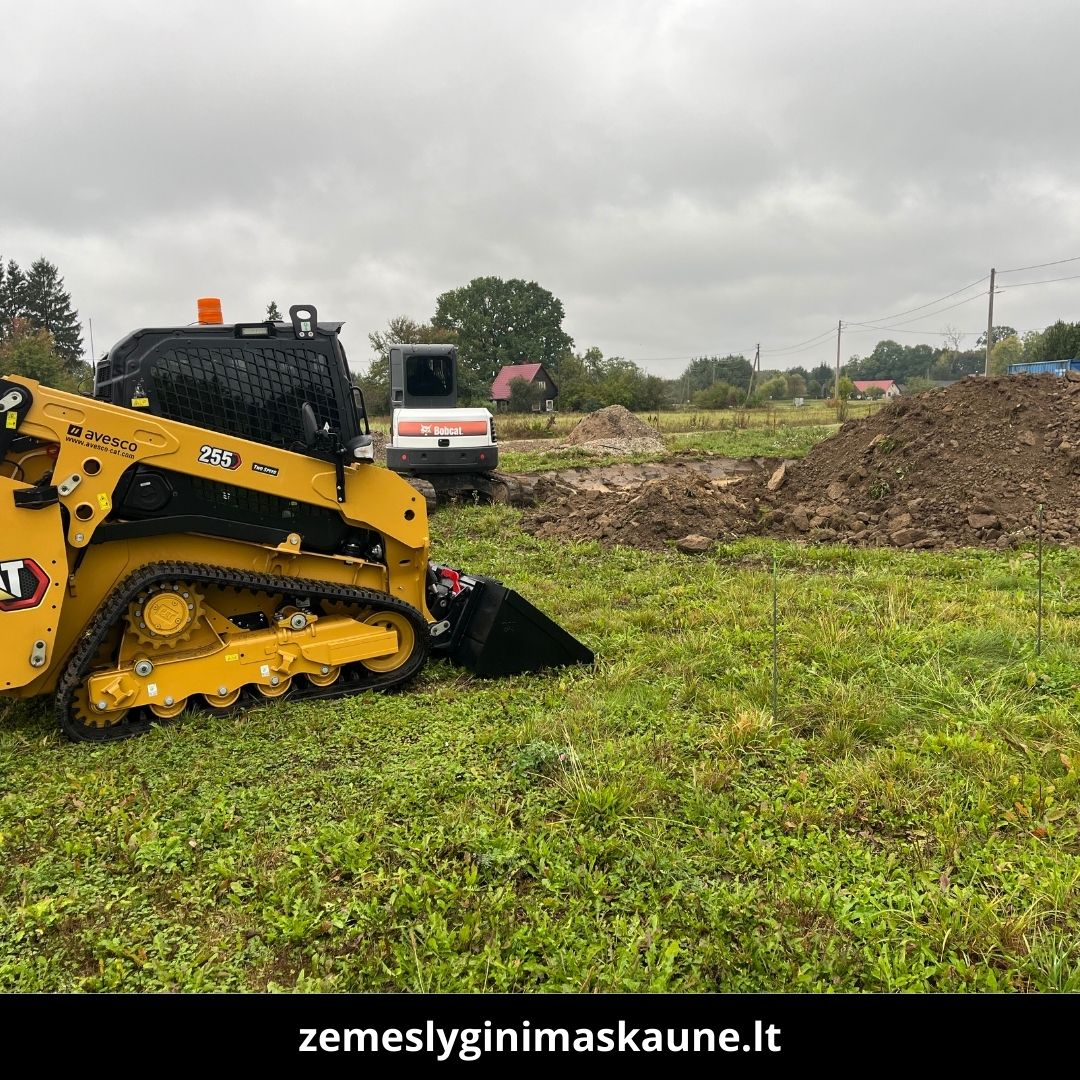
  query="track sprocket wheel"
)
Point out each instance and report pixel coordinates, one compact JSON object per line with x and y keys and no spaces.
{"x":164,"y":615}
{"x":81,"y":708}
{"x":91,"y":717}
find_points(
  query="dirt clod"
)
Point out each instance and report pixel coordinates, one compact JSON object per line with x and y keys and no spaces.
{"x":777,"y":478}
{"x":694,"y":544}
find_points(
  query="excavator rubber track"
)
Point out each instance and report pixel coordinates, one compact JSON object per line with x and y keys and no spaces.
{"x":304,"y":594}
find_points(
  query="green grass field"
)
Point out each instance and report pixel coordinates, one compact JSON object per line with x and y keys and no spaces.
{"x":674,"y":421}
{"x":782,"y":441}
{"x":907,"y":821}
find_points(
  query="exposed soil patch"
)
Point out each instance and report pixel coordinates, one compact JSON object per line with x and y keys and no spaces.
{"x":967,"y":465}
{"x":647,"y":514}
{"x":531,"y":489}
{"x":615,"y":430}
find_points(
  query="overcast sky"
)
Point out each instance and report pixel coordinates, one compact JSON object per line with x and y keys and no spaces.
{"x":687,"y":178}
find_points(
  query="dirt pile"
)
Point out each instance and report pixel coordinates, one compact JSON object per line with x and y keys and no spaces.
{"x":964,"y":466}
{"x":647,"y":515}
{"x":615,"y":430}
{"x":968,"y":465}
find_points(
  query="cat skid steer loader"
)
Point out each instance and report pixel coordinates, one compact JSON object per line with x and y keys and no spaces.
{"x":209,"y":529}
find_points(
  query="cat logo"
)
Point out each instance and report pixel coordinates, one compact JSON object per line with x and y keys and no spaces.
{"x":22,"y":584}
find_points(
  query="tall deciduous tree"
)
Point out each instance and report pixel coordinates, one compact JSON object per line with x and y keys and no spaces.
{"x":1008,"y":351}
{"x":30,"y":351}
{"x":524,"y":396}
{"x":704,"y":371}
{"x":998,"y":333}
{"x":501,"y":322}
{"x":796,"y":384}
{"x":48,"y":307}
{"x":1058,"y":342}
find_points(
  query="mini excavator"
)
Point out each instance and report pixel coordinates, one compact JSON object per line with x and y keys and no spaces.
{"x":209,"y":529}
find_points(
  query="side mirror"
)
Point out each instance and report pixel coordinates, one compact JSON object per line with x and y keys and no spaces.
{"x":311,"y":425}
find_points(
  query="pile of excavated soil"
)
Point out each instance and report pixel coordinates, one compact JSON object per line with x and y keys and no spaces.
{"x":968,"y":465}
{"x":615,"y":430}
{"x":964,"y":466}
{"x":646,"y":515}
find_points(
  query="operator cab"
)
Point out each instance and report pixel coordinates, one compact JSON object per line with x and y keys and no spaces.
{"x":281,"y":384}
{"x":423,"y":376}
{"x":249,"y":380}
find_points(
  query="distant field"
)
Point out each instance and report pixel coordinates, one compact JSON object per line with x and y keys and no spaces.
{"x":782,"y":441}
{"x":782,"y":414}
{"x":908,"y":820}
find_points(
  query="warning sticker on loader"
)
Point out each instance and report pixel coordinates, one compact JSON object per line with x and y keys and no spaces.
{"x":22,"y":584}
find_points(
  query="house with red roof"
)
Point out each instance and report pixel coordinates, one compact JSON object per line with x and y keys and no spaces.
{"x":536,"y":375}
{"x":887,"y":386}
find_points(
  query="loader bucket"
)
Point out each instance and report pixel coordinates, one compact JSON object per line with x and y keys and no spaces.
{"x":496,"y":631}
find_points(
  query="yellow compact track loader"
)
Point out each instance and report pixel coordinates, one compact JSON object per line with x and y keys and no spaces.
{"x":210,"y":528}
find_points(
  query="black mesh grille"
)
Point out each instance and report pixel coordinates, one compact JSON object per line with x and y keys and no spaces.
{"x":250,"y":391}
{"x":256,"y":505}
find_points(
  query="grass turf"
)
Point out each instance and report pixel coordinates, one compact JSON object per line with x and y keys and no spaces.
{"x":908,"y":820}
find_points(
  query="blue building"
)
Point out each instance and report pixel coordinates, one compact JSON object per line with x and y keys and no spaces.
{"x":1045,"y":367}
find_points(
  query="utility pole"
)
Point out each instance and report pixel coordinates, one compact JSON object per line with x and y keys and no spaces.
{"x":756,"y":371}
{"x":990,"y":322}
{"x":93,"y":355}
{"x":836,"y":391}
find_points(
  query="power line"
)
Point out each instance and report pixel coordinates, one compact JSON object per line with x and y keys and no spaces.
{"x":873,"y":324}
{"x":704,"y":355}
{"x":918,"y":333}
{"x":931,"y":303}
{"x":919,"y":318}
{"x":797,"y":347}
{"x":1039,"y":266}
{"x":1045,"y":281}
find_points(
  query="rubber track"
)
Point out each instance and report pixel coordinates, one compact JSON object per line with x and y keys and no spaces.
{"x":140,"y":720}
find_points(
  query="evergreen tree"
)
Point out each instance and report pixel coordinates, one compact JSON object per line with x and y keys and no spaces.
{"x":12,"y":298}
{"x":272,"y":312}
{"x":48,"y":307}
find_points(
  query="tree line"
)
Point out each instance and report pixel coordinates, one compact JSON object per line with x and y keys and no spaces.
{"x":495,"y":322}
{"x":40,"y":334}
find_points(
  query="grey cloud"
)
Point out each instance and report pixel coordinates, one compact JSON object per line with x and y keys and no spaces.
{"x":685,"y":176}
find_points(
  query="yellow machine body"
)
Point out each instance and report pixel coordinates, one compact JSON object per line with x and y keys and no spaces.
{"x":53,"y":550}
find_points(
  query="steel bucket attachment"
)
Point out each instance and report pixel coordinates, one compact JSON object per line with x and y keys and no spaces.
{"x":492,"y":630}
